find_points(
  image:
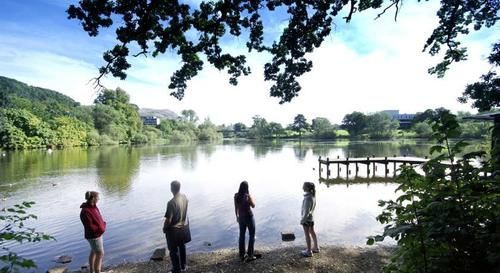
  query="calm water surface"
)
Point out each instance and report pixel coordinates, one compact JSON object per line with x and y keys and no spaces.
{"x":135,"y":186}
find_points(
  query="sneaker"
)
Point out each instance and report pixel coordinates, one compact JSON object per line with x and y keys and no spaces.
{"x":315,"y":250}
{"x":243,"y":257}
{"x":184,"y":269}
{"x":306,"y":253}
{"x":250,"y":259}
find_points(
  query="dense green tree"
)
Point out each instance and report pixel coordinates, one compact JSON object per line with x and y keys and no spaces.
{"x":21,"y":129}
{"x":424,"y":116}
{"x":300,"y":124}
{"x":354,"y":123}
{"x":152,"y":133}
{"x":116,"y":117}
{"x":471,"y":128}
{"x":104,"y":116}
{"x":189,"y":116}
{"x":114,"y":98}
{"x":422,"y":129}
{"x":208,"y":131}
{"x":322,"y":128}
{"x":156,"y":27}
{"x":239,"y":126}
{"x":381,"y":125}
{"x":167,"y":126}
{"x":260,"y":128}
{"x":275,"y":129}
{"x":69,"y":132}
{"x":84,"y":113}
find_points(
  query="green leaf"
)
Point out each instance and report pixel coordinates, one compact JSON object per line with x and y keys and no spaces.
{"x":437,"y":148}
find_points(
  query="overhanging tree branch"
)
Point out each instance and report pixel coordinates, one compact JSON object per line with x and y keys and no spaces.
{"x":168,"y":25}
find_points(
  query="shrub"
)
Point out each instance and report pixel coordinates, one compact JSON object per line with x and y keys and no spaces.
{"x":447,"y":220}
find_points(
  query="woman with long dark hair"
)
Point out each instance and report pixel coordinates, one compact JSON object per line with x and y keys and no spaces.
{"x":94,"y":227}
{"x":243,"y":204}
{"x":307,"y":219}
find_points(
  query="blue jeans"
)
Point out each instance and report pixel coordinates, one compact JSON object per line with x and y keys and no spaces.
{"x":177,"y":254}
{"x":247,"y":222}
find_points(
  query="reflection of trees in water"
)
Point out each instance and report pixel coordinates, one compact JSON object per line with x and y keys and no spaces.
{"x":300,"y":151}
{"x":325,"y":148}
{"x":27,"y":166}
{"x":189,"y":156}
{"x":208,"y":149}
{"x":261,"y":148}
{"x":398,"y":148}
{"x":116,"y":167}
{"x":188,"y":153}
{"x":237,"y":144}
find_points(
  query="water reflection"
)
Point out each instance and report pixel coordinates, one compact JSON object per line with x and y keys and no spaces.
{"x":207,"y":149}
{"x":355,"y":180}
{"x":22,"y":168}
{"x":116,"y":168}
{"x":325,"y":148}
{"x":134,"y":183}
{"x":388,"y":148}
{"x":300,"y":151}
{"x":261,"y":149}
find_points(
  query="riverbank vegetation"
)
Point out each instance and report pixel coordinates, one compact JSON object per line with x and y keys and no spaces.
{"x":33,"y":117}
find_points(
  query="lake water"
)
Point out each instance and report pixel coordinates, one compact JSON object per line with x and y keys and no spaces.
{"x":135,"y":186}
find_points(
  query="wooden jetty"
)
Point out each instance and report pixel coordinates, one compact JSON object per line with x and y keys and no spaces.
{"x":373,"y":161}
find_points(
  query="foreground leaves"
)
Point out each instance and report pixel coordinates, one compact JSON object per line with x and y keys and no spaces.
{"x":13,"y":230}
{"x":446,"y":220}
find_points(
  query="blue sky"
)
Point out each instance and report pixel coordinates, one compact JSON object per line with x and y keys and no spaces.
{"x":367,"y":65}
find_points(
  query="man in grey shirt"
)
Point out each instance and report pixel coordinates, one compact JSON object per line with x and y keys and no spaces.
{"x":174,"y":227}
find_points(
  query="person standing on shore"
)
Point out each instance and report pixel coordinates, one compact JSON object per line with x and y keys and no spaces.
{"x":94,"y":227}
{"x":176,"y":228}
{"x":243,"y":204}
{"x":307,"y":219}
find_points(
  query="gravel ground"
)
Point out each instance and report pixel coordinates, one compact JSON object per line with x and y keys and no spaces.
{"x":331,"y":259}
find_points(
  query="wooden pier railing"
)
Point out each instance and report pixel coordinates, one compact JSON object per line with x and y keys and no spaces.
{"x":368,"y":161}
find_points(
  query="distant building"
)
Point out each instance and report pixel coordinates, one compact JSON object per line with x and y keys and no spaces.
{"x":405,"y":120}
{"x":151,"y":121}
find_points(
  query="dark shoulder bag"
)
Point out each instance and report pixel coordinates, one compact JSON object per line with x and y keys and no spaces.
{"x":186,"y":232}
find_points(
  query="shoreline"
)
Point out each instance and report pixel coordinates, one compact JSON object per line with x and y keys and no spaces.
{"x":333,"y":258}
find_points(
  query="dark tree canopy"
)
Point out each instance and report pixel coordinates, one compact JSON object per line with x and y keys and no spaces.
{"x":300,"y":122}
{"x":354,"y":123}
{"x":156,"y":26}
{"x":486,"y":93}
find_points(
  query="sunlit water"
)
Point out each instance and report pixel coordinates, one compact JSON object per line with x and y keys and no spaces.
{"x":134,"y":187}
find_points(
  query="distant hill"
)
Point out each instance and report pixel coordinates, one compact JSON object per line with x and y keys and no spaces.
{"x":10,"y":88}
{"x":159,"y":113}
